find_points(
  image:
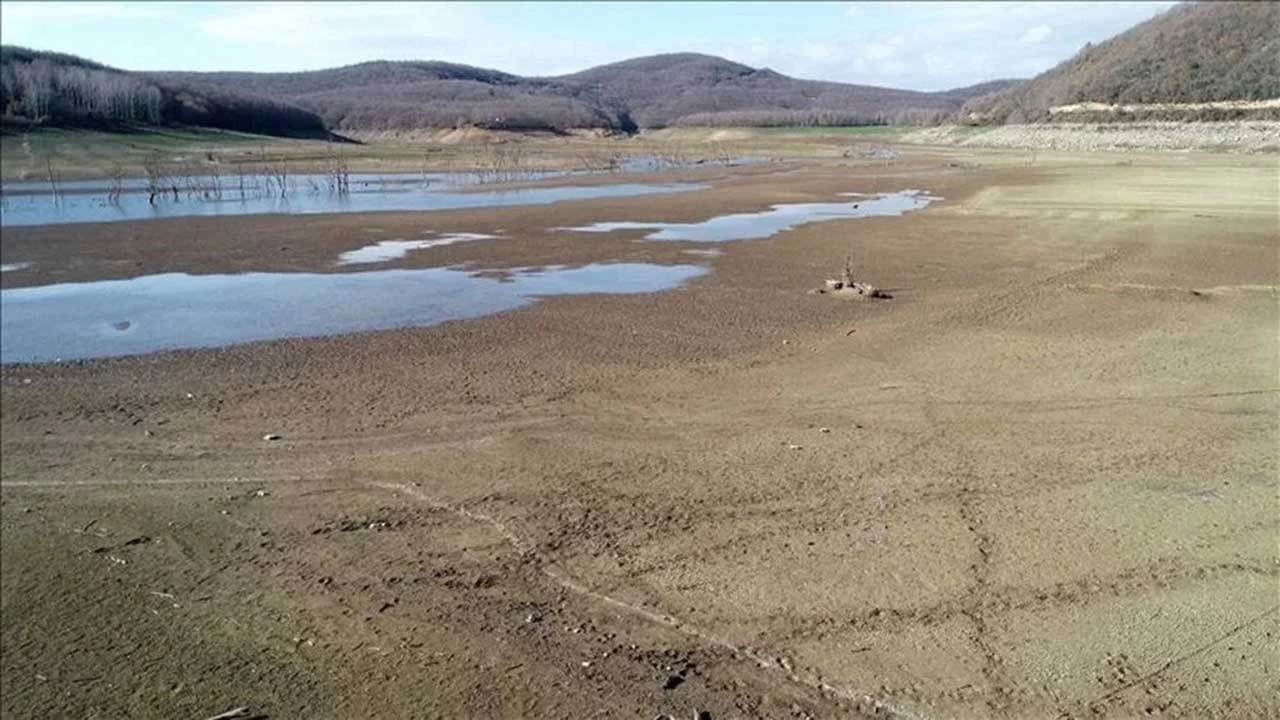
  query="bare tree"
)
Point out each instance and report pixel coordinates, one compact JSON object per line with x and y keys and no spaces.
{"x":115,"y":186}
{"x":153,"y":167}
{"x":53,"y":177}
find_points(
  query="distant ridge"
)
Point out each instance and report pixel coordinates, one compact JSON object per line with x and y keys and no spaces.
{"x":648,"y":92}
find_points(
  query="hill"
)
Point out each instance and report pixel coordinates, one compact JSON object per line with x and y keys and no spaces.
{"x":41,"y":88}
{"x":693,"y":89}
{"x":383,"y":95}
{"x":1201,"y":53}
{"x":649,"y":92}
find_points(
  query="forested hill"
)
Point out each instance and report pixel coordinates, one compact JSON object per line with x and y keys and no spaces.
{"x":1193,"y":54}
{"x":1205,"y":52}
{"x":648,"y":92}
{"x":67,"y":91}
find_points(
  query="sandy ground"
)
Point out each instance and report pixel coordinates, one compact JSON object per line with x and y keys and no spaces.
{"x":1038,"y":482}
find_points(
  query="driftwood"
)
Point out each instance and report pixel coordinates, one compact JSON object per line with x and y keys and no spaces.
{"x":848,"y":287}
{"x":245,"y":712}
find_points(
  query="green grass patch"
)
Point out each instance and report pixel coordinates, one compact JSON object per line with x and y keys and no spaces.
{"x":61,"y":140}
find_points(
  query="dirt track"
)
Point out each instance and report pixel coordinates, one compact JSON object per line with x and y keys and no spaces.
{"x":1046,"y":487}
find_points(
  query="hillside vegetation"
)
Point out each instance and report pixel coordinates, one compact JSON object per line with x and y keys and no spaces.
{"x":1195,"y":53}
{"x":52,"y":89}
{"x":650,"y":92}
{"x":1202,"y":61}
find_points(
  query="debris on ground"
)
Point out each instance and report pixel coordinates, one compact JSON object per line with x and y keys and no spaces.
{"x":245,"y":712}
{"x":845,"y":288}
{"x":270,"y":437}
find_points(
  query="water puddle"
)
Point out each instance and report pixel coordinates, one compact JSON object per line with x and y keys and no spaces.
{"x":767,"y":223}
{"x":388,"y":250}
{"x":14,"y":267}
{"x":114,"y":318}
{"x":87,"y":201}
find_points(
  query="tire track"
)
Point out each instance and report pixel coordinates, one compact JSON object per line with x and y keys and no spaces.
{"x":560,"y":576}
{"x":1095,"y":706}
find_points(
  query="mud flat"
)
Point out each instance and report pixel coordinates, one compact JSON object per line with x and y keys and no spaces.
{"x":1038,"y":482}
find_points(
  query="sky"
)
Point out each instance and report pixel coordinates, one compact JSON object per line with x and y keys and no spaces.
{"x":912,"y":45}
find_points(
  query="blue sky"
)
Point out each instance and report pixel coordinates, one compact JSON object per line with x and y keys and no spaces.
{"x":916,"y":45}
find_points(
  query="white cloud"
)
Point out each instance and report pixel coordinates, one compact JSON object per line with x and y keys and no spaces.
{"x":335,"y":27}
{"x":1035,"y":35}
{"x":952,"y":44}
{"x":13,"y":11}
{"x":818,"y":51}
{"x":882,"y":50}
{"x":320,"y":34}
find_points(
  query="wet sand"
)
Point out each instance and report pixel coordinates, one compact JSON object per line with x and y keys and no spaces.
{"x":1040,"y":481}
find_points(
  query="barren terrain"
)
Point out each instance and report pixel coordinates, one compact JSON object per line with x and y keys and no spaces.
{"x":1038,"y":482}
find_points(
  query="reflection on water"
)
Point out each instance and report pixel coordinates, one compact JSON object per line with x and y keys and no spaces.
{"x":88,"y":205}
{"x":240,"y":190}
{"x":162,"y":312}
{"x":767,"y":223}
{"x":388,"y":250}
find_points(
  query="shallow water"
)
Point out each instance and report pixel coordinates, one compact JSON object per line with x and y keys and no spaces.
{"x":32,"y":202}
{"x":388,"y":250}
{"x":767,"y":223}
{"x":90,"y":206}
{"x":231,"y":183}
{"x":113,"y":318}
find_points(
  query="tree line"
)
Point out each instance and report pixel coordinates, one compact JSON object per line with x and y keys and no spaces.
{"x":47,"y":91}
{"x":38,"y":88}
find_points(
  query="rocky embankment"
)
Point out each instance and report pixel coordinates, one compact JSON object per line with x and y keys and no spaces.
{"x":1236,"y":136}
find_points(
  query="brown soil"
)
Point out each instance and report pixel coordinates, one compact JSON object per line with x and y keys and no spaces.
{"x":1040,"y":481}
